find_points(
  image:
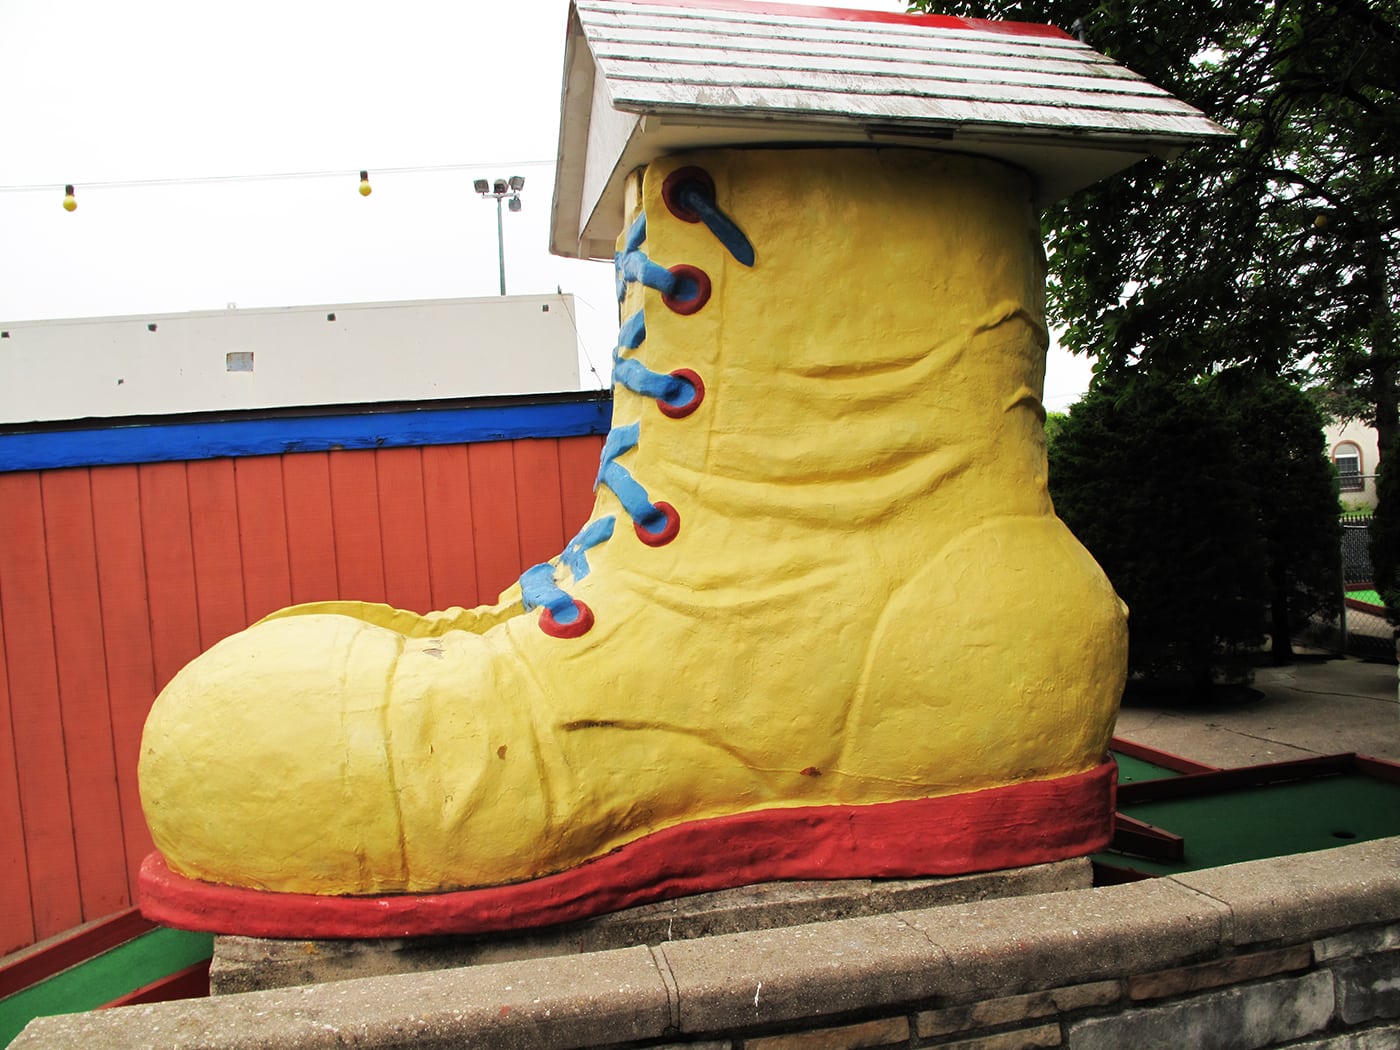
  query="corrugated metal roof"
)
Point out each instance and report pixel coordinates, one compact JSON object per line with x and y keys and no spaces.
{"x":648,"y":77}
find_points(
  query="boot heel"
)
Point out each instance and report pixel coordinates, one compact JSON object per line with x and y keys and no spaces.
{"x":1019,"y":587}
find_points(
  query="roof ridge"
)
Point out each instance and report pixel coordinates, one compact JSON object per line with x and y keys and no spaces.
{"x":844,"y":14}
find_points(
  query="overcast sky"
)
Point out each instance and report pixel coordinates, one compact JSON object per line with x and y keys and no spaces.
{"x":171,"y":117}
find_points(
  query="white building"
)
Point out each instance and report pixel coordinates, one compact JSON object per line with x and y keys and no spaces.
{"x":1354,"y":449}
{"x":287,"y":357}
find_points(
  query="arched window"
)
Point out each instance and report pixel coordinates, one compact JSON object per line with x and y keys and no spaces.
{"x":1347,"y":457}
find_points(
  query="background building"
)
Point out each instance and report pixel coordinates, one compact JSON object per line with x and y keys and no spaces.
{"x":1354,"y":449}
{"x":287,"y":357}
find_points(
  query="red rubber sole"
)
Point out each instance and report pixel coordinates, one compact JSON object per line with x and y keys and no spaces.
{"x":1004,"y":827}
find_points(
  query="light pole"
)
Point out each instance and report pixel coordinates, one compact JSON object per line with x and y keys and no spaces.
{"x":500,"y":189}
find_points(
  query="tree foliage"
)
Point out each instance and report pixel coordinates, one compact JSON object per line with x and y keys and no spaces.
{"x":1278,"y":249}
{"x":1276,"y":432}
{"x":1385,"y":533}
{"x":1143,"y":473}
{"x":1211,"y":506}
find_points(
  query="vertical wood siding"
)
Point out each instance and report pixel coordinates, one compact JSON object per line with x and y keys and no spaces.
{"x":112,"y":578}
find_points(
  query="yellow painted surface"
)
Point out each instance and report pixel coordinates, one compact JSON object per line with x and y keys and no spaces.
{"x":869,"y":580}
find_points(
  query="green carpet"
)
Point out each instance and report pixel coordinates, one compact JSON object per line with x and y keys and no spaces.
{"x":1270,"y":822}
{"x":1131,"y":770}
{"x":105,"y":977}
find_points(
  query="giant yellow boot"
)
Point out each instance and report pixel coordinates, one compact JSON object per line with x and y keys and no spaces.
{"x":822,"y":622}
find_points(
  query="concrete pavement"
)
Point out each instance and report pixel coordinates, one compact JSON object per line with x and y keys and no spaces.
{"x":1317,"y":706}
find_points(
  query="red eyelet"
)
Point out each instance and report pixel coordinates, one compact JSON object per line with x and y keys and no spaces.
{"x":681,"y":411}
{"x":685,"y":307}
{"x":666,"y":535}
{"x":582,"y":624}
{"x":675,"y":181}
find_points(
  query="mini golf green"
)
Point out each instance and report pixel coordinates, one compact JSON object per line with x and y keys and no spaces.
{"x":105,"y":978}
{"x":1131,"y":769}
{"x":1190,"y":821}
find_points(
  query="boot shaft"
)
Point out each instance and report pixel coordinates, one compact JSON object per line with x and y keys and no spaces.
{"x":885,"y":348}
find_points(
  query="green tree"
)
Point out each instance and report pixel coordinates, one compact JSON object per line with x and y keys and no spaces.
{"x":1053,"y":422}
{"x":1277,"y":250}
{"x":1291,"y":488}
{"x":1144,"y":472}
{"x":1385,"y":533}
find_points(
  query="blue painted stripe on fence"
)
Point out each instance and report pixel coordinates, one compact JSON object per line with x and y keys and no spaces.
{"x":163,"y":442}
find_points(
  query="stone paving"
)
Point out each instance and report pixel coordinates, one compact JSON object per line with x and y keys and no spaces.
{"x":1317,"y":706}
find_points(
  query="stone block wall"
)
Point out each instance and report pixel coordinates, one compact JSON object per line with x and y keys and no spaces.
{"x":1300,"y":951}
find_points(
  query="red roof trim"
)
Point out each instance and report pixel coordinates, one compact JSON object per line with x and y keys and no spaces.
{"x":844,"y":14}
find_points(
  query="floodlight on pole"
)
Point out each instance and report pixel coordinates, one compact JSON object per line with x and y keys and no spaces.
{"x":501,"y":189}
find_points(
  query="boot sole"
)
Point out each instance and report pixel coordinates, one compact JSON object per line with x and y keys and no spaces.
{"x":1036,"y":822}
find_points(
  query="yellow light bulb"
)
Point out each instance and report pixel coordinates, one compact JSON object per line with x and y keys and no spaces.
{"x":365,"y":188}
{"x":70,"y":202}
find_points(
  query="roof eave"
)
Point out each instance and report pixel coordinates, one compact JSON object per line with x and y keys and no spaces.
{"x":1060,"y":162}
{"x":575,"y":93}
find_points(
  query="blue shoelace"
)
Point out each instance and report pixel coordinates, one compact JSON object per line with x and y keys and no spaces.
{"x":685,"y":290}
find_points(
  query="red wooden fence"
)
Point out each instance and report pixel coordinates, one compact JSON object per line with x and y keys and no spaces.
{"x":113,"y":577}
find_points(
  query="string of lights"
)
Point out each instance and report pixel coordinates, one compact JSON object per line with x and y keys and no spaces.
{"x":365,"y":188}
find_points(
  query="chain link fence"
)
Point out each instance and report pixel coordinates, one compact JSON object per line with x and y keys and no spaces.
{"x":1362,"y":629}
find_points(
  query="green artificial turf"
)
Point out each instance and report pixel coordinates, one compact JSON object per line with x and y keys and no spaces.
{"x":125,"y":968}
{"x":1131,"y":770}
{"x":1369,"y":597}
{"x":1272,"y":821}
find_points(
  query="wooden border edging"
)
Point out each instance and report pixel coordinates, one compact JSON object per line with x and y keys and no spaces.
{"x":1242,"y":778}
{"x":27,"y":968}
{"x":190,"y":983}
{"x":1165,"y":759}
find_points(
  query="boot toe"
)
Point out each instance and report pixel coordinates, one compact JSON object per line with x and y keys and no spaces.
{"x":264,"y":762}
